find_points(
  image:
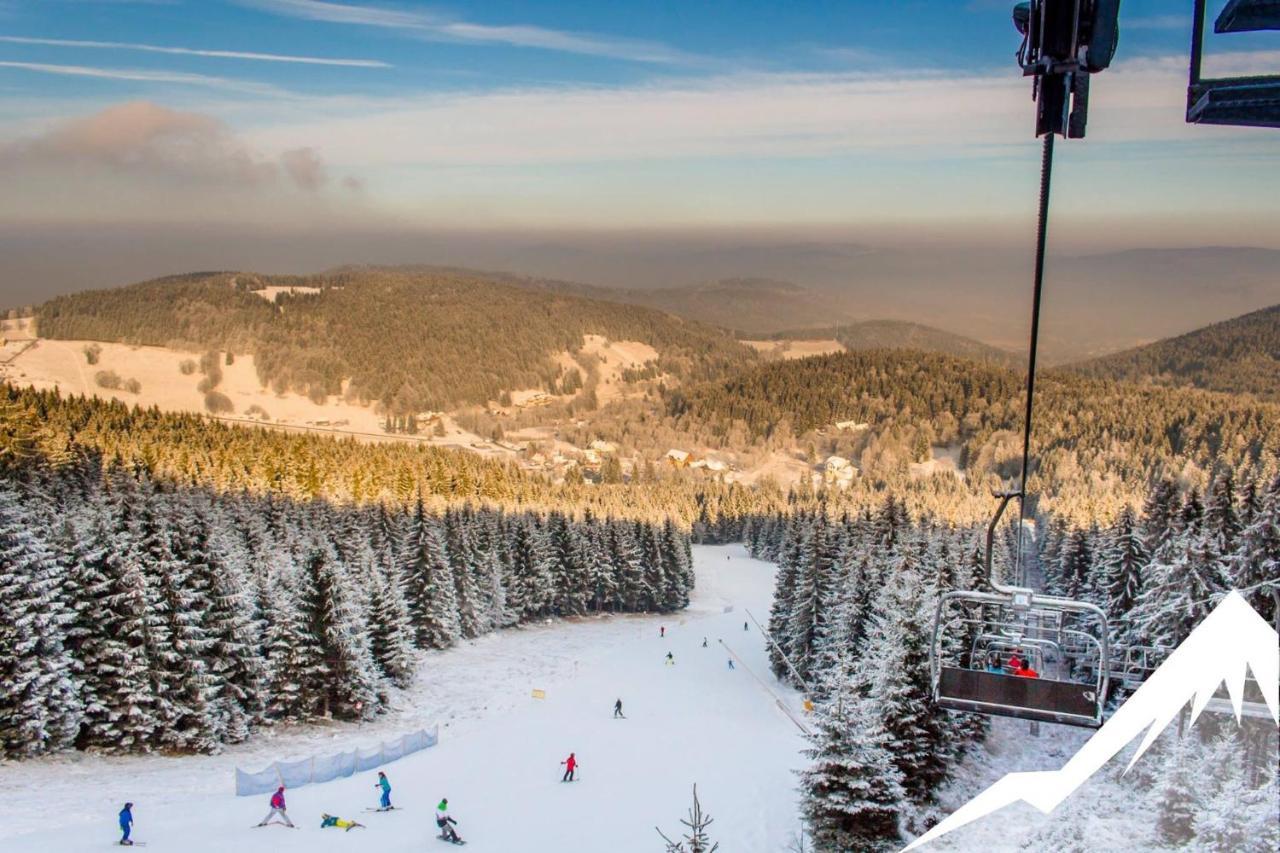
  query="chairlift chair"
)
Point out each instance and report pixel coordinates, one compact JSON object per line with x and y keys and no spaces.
{"x":1074,"y":672}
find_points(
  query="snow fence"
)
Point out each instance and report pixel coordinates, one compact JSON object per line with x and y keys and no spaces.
{"x":323,"y":768}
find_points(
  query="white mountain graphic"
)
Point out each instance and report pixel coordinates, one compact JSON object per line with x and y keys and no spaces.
{"x":1231,"y":640}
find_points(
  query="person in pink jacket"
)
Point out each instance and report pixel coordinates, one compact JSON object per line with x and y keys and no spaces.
{"x":277,"y":808}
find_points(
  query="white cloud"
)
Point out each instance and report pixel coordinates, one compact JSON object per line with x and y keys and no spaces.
{"x":139,"y":75}
{"x":437,"y":27}
{"x":187,"y":51}
{"x":749,"y":116}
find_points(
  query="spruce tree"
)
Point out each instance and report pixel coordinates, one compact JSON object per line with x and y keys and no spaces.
{"x":39,"y":709}
{"x":852,"y":793}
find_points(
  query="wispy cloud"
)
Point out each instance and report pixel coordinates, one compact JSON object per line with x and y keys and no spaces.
{"x":438,"y":27}
{"x":141,"y":75}
{"x":188,"y":51}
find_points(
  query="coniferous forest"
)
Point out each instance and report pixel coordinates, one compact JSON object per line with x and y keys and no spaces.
{"x":144,"y":614}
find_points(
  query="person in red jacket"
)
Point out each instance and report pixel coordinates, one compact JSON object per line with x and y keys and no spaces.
{"x":277,"y":808}
{"x":1024,"y":670}
{"x":570,"y":764}
{"x":1015,"y":661}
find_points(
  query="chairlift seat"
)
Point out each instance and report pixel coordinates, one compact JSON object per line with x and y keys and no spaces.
{"x":1040,"y":699}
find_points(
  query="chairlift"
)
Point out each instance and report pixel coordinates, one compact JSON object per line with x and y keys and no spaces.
{"x":1065,"y":641}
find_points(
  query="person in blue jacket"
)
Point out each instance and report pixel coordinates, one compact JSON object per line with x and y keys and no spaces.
{"x":385,"y":785}
{"x":126,"y":824}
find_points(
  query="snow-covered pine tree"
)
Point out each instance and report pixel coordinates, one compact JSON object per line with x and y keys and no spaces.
{"x":810,"y":599}
{"x":1232,"y":814}
{"x":109,"y":635}
{"x":1255,"y":566}
{"x":432,"y":590}
{"x":783,"y":597}
{"x":1221,"y":519}
{"x":39,"y":709}
{"x":390,"y":627}
{"x":181,"y":584}
{"x":234,"y":630}
{"x":1182,"y":587}
{"x":1176,"y":795}
{"x":332,"y":617}
{"x":852,"y":793}
{"x":628,"y":563}
{"x":296,"y":668}
{"x":1121,"y":563}
{"x":894,"y":674}
{"x":462,"y":560}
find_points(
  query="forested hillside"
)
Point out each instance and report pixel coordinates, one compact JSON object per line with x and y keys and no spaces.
{"x":1237,"y":356}
{"x":899,"y":334}
{"x":407,"y":339}
{"x":1094,"y":440}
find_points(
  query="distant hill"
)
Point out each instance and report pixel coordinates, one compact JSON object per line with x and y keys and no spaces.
{"x":407,"y":338}
{"x":1237,"y":356}
{"x":899,"y":334}
{"x":750,"y":306}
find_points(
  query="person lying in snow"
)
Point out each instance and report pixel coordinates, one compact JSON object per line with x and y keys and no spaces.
{"x":329,"y":820}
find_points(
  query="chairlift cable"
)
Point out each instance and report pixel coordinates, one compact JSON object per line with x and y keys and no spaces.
{"x":1042,"y":228}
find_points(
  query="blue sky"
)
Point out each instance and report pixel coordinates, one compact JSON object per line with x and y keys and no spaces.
{"x":601,"y":115}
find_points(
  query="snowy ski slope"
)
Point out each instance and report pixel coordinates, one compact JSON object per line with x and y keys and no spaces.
{"x":499,"y":753}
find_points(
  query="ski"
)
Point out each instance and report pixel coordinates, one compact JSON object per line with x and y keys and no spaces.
{"x":388,"y":809}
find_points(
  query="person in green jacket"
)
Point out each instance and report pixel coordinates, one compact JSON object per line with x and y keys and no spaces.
{"x":444,"y":819}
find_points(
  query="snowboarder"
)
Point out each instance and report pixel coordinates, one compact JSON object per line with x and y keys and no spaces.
{"x":330,"y":820}
{"x":730,"y":663}
{"x":617,"y":709}
{"x":126,"y":825}
{"x":570,"y":764}
{"x":385,"y":803}
{"x":662,"y":631}
{"x":277,"y":808}
{"x":443,"y":820}
{"x":670,"y":660}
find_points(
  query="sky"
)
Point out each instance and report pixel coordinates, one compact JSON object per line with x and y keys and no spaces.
{"x":891,"y":123}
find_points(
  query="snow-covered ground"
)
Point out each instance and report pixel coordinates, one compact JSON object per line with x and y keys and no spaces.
{"x":499,"y":752}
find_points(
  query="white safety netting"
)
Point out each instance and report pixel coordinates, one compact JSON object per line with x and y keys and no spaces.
{"x":322,"y":768}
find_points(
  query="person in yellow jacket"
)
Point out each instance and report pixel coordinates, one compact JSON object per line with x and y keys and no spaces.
{"x":329,"y":820}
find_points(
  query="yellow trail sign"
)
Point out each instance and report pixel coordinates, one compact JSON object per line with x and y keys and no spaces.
{"x":539,"y":694}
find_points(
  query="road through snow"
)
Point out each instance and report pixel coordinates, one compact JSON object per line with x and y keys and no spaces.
{"x":499,"y":752}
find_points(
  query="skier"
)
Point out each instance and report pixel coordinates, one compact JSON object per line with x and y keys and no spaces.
{"x":730,"y":663}
{"x":339,"y":823}
{"x":126,"y":824}
{"x":277,"y":807}
{"x":1015,"y":662}
{"x":443,"y":820}
{"x":617,"y":709}
{"x":570,"y":764}
{"x":993,"y":664}
{"x":385,"y":803}
{"x":704,"y":642}
{"x":1024,"y":670}
{"x":662,"y":631}
{"x":670,"y":660}
{"x":744,"y":627}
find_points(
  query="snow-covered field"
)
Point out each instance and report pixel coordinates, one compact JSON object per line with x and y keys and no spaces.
{"x":499,"y":753}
